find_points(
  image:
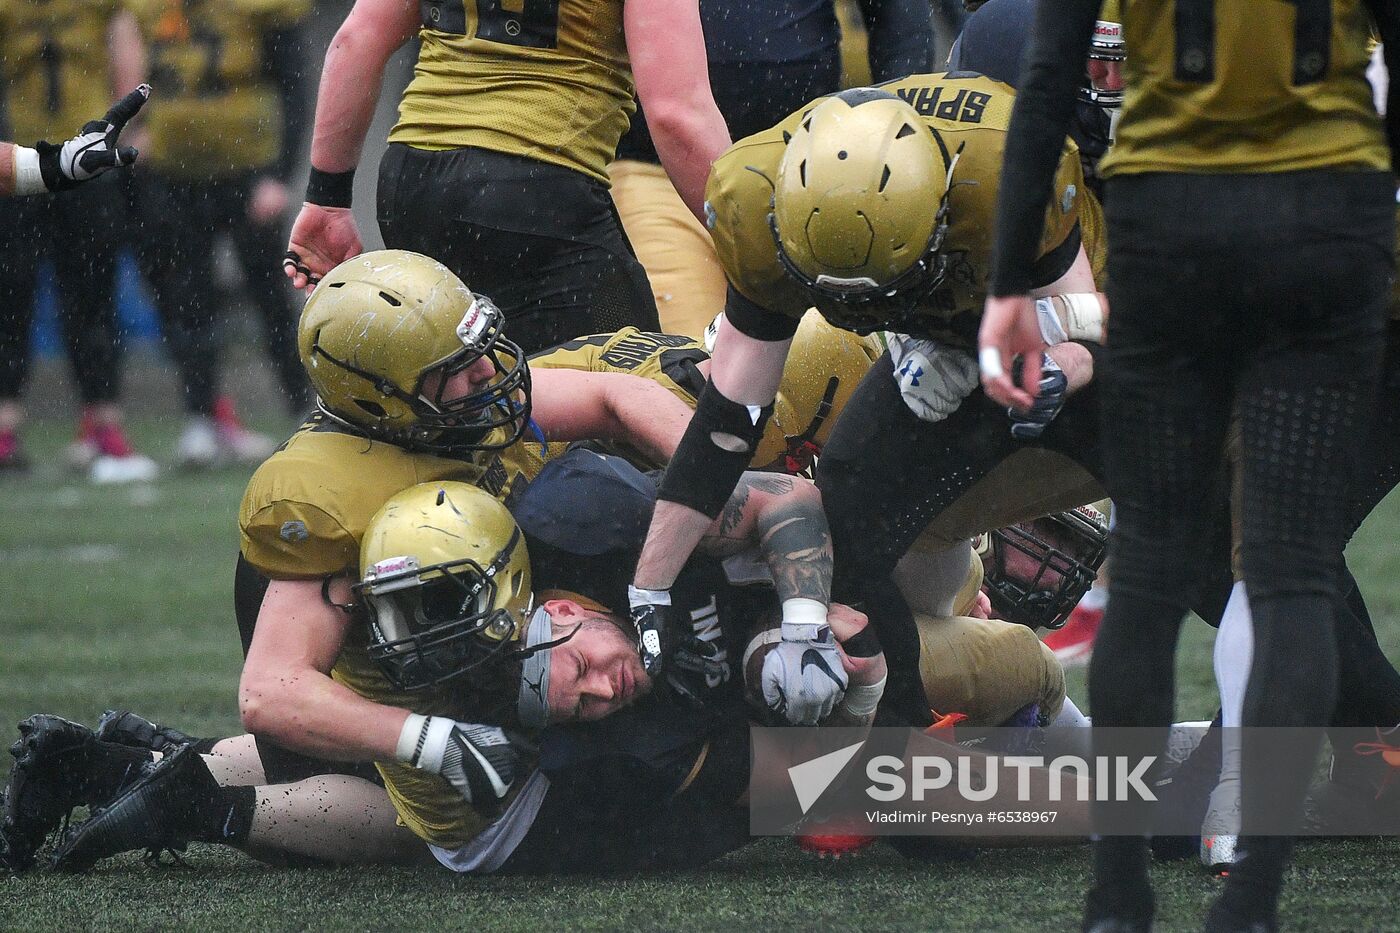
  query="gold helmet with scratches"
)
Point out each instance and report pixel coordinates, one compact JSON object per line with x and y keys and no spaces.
{"x":859,"y":204}
{"x":382,"y":335}
{"x":445,"y":582}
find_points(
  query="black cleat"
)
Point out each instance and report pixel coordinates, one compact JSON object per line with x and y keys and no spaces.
{"x":147,"y":815}
{"x":47,"y":782}
{"x":126,"y":728}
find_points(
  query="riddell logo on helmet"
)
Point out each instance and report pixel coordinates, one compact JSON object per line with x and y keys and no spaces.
{"x":1111,"y":31}
{"x":474,"y":324}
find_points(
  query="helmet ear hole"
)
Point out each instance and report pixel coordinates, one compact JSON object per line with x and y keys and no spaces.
{"x":335,"y":285}
{"x":373,"y":409}
{"x":905,"y":130}
{"x":884,"y":178}
{"x":390,"y":299}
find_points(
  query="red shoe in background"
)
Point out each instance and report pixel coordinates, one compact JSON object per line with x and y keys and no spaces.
{"x":236,"y":442}
{"x":1074,"y":642}
{"x":12,"y":458}
{"x":116,"y":461}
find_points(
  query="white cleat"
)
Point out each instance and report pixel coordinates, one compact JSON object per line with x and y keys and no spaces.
{"x":198,"y":447}
{"x":133,"y":468}
{"x":1220,"y":829}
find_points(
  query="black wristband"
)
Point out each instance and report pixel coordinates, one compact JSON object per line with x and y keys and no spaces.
{"x":863,"y":644}
{"x":330,"y":189}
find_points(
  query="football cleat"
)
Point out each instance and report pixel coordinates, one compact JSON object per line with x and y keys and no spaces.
{"x":198,"y":446}
{"x":51,"y":759}
{"x":833,"y":843}
{"x":127,"y":728}
{"x":145,"y":815}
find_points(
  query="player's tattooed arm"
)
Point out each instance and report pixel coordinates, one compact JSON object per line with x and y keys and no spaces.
{"x":783,"y":517}
{"x":796,"y":543}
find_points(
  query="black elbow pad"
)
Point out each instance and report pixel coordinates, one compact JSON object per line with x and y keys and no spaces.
{"x":715,"y":451}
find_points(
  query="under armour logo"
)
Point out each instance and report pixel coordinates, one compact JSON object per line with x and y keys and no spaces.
{"x":908,"y":371}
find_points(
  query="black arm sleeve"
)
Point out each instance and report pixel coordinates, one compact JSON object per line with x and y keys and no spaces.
{"x":1386,"y":14}
{"x":284,"y":61}
{"x":1044,"y":107}
{"x":756,"y":321}
{"x":901,"y":37}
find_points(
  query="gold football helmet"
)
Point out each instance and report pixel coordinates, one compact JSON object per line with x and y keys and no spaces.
{"x":382,"y":336}
{"x":445,"y":581}
{"x":860,"y":205}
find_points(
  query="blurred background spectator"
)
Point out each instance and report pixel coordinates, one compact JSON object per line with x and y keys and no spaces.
{"x":224,"y":133}
{"x":62,"y":61}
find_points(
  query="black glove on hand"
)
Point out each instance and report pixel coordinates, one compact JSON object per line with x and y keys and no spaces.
{"x":649,"y":611}
{"x":94,"y":150}
{"x":1030,"y":425}
{"x":694,"y":669}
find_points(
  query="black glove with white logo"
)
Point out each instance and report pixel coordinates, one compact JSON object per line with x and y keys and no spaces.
{"x":58,"y":167}
{"x":479,"y":761}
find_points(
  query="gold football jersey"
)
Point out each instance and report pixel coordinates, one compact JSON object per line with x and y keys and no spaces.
{"x":215,"y":111}
{"x":1093,"y":232}
{"x":1220,"y":86}
{"x":306,"y":508}
{"x":545,"y":79}
{"x":53,"y":62}
{"x":964,"y":111}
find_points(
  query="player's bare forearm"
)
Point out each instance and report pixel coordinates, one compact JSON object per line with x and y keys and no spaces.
{"x":351,"y":78}
{"x":783,"y":517}
{"x":667,"y":48}
{"x":570,"y":405}
{"x":308,"y":712}
{"x":674,"y":533}
{"x":796,"y":543}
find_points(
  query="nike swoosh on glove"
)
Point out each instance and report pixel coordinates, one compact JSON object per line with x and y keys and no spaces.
{"x":803,"y":678}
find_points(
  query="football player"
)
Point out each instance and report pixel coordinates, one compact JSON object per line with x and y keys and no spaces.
{"x":816,"y":211}
{"x":1209,"y":159}
{"x":446,"y":589}
{"x":498,"y":164}
{"x":223,"y":140}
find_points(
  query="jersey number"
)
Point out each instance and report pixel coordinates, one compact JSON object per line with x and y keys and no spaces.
{"x":530,"y":23}
{"x":1195,"y":40}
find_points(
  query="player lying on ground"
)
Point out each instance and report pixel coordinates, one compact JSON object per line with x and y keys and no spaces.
{"x":593,"y":672}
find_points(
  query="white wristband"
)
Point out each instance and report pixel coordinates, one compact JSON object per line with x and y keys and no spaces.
{"x":641,"y":597}
{"x":1051,"y":330}
{"x":803,"y":618}
{"x":423,"y":740}
{"x":28,"y":178}
{"x":861,"y":700}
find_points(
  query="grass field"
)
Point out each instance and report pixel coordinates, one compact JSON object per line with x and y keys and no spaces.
{"x":122,"y":597}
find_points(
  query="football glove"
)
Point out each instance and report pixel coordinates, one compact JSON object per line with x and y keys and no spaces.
{"x":1029,"y":425}
{"x":649,"y":611}
{"x":479,"y":761}
{"x":803,"y":678}
{"x":933,"y":378}
{"x":93,"y":151}
{"x":694,"y":669}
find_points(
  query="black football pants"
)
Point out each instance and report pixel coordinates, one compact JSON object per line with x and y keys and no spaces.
{"x":179,"y":221}
{"x":1264,"y":293}
{"x":541,"y":241}
{"x":81,"y":231}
